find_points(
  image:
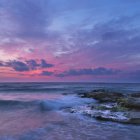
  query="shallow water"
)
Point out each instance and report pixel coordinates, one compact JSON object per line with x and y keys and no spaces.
{"x":38,"y":114}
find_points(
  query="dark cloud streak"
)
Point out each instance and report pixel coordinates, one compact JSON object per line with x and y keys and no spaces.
{"x":46,"y":73}
{"x":44,"y":64}
{"x":79,"y":72}
{"x":18,"y":66}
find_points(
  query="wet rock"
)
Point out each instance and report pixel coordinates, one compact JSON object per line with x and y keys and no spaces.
{"x":102,"y":106}
{"x":127,"y":117}
{"x":134,"y":117}
{"x":107,"y":115}
{"x":103,"y":95}
{"x":106,"y":112}
{"x":111,"y":116}
{"x":136,"y":95}
{"x":131,"y":102}
{"x":118,"y":117}
{"x":112,"y":106}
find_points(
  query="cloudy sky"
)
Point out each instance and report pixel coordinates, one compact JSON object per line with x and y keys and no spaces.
{"x":70,"y":40}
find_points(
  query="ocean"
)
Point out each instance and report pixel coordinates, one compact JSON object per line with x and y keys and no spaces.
{"x":35,"y":111}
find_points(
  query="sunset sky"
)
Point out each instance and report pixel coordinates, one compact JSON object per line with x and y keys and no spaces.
{"x":70,"y":40}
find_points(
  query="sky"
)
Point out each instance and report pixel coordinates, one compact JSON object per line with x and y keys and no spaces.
{"x":70,"y":40}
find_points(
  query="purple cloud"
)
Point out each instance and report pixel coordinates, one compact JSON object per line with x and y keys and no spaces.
{"x":46,"y":73}
{"x":32,"y":64}
{"x":27,"y":65}
{"x":18,"y":66}
{"x":44,"y":64}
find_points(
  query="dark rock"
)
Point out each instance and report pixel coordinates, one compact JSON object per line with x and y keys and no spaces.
{"x":110,"y":116}
{"x":137,"y":95}
{"x":103,"y":95}
{"x":129,"y":118}
{"x":134,"y":117}
{"x":132,"y":103}
{"x":112,"y":106}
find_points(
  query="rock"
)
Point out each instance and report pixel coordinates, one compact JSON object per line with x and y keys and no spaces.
{"x":105,"y":106}
{"x":131,"y":102}
{"x":112,"y":106}
{"x":136,"y":95}
{"x":134,"y":117}
{"x":121,"y":117}
{"x":103,"y":96}
{"x":111,"y":116}
{"x":129,"y":118}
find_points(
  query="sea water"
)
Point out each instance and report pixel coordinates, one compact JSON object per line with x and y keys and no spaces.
{"x":34,"y":111}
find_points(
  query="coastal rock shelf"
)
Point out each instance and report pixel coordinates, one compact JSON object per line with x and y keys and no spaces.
{"x":111,"y":106}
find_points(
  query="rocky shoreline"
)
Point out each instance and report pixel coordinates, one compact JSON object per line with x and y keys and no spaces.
{"x":111,"y":106}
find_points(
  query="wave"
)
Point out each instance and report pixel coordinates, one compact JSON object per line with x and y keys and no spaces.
{"x":46,"y":105}
{"x":65,"y":102}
